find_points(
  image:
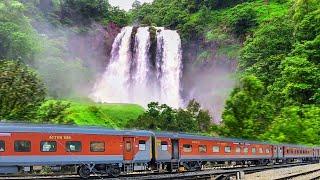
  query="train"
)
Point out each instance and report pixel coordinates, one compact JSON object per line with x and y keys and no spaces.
{"x":96,"y":150}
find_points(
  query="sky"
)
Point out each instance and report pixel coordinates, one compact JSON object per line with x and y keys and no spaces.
{"x":125,"y":4}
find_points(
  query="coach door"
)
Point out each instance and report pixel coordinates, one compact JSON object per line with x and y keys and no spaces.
{"x":128,"y":149}
{"x":280,"y":152}
{"x":175,"y":148}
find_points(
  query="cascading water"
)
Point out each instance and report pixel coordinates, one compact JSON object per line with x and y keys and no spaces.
{"x":170,"y":68}
{"x":140,"y":90}
{"x":116,"y":75}
{"x":127,"y":77}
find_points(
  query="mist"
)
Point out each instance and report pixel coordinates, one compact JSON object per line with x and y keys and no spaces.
{"x":210,"y":81}
{"x":71,"y":58}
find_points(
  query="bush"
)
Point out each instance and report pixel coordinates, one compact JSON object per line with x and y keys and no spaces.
{"x":21,"y":91}
{"x":53,"y":112}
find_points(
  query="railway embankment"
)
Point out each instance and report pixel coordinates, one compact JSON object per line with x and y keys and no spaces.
{"x":305,"y":172}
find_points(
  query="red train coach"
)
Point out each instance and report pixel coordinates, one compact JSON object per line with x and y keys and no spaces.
{"x":192,"y":151}
{"x":104,"y":150}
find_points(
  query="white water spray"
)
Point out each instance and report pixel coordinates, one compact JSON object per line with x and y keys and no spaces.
{"x":127,"y":80}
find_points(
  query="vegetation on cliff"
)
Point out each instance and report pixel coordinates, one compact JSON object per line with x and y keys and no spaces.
{"x":276,"y":45}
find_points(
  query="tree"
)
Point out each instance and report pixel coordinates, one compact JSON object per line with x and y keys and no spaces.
{"x":136,"y":4}
{"x":298,"y":84}
{"x":21,"y":91}
{"x":246,"y":113}
{"x":297,"y":125}
{"x":52,"y":111}
{"x":243,"y":20}
{"x":18,"y":38}
{"x":201,"y":117}
{"x":162,"y":117}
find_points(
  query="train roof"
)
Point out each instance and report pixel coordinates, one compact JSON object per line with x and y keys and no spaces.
{"x":45,"y":128}
{"x":204,"y":137}
{"x":236,"y":140}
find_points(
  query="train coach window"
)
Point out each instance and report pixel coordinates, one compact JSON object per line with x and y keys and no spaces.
{"x":48,"y":146}
{"x":2,"y":146}
{"x":73,"y":146}
{"x":215,"y":149}
{"x":96,"y":146}
{"x":260,"y":150}
{"x":238,"y":149}
{"x":246,"y":150}
{"x":253,"y":150}
{"x":267,"y":151}
{"x":227,"y":149}
{"x":22,"y":146}
{"x":164,"y":146}
{"x":142,"y":145}
{"x":187,"y":148}
{"x":202,"y":148}
{"x":128,"y":146}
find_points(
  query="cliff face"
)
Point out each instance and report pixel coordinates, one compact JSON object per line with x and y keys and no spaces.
{"x":94,"y":46}
{"x":208,"y":74}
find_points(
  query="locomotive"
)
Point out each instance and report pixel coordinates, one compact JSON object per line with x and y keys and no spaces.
{"x":94,"y":150}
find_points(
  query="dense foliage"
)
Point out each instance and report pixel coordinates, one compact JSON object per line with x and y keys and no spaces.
{"x":45,"y":42}
{"x":21,"y":91}
{"x":165,"y":118}
{"x":281,"y":101}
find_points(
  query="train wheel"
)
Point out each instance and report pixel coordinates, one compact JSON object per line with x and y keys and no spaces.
{"x":84,"y":172}
{"x":115,"y":172}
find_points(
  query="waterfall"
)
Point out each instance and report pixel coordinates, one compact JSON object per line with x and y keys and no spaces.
{"x":113,"y":86}
{"x":132,"y":77}
{"x":169,"y":67}
{"x":141,"y":92}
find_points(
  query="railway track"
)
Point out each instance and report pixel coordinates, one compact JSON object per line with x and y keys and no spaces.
{"x":205,"y":174}
{"x":301,"y":175}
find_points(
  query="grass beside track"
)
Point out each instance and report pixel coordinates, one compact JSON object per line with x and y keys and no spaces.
{"x":101,"y":114}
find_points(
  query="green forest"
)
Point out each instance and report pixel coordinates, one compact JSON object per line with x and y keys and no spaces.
{"x":273,"y":44}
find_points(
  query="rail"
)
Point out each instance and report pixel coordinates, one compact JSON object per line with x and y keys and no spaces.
{"x":205,"y":174}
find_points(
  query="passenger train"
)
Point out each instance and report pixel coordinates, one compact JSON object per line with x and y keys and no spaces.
{"x":93,"y":150}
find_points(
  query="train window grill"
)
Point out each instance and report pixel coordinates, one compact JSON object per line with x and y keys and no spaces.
{"x":227,"y":149}
{"x":216,"y":149}
{"x":22,"y":146}
{"x":128,"y":146}
{"x":267,"y":151}
{"x":2,"y":146}
{"x":202,"y":148}
{"x":246,"y":150}
{"x":238,"y":149}
{"x":260,"y":150}
{"x":73,"y":146}
{"x":97,"y":146}
{"x":142,"y":145}
{"x":164,"y":146}
{"x":253,"y":150}
{"x":187,"y":148}
{"x":48,"y":146}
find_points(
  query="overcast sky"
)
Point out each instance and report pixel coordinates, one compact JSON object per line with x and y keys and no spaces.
{"x":125,"y":4}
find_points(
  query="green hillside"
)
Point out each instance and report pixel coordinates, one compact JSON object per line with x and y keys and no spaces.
{"x":110,"y":115}
{"x":88,"y":113}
